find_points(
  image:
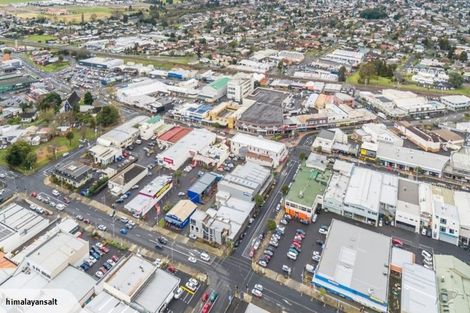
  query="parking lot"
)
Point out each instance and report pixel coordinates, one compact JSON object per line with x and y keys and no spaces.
{"x":412,"y":242}
{"x":188,"y":298}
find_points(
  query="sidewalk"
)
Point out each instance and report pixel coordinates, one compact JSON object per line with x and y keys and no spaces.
{"x":217,"y":251}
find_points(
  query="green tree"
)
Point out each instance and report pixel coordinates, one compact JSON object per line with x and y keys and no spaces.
{"x":30,"y":160}
{"x":107,"y":116}
{"x":285,"y":189}
{"x":177,"y":175}
{"x":366,"y":71}
{"x":88,"y":98}
{"x":302,"y":156}
{"x":463,"y":56}
{"x":259,"y":200}
{"x":70,"y":136}
{"x":455,"y":79}
{"x":271,"y":225}
{"x":342,"y":74}
{"x":50,"y":101}
{"x":17,"y":153}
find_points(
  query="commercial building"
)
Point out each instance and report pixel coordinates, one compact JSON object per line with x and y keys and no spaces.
{"x":140,"y":283}
{"x":178,"y":154}
{"x":73,"y":173}
{"x":263,"y":111}
{"x":453,"y":284}
{"x":418,"y":290}
{"x":106,"y":303}
{"x":15,"y":82}
{"x":18,"y":225}
{"x":213,"y":156}
{"x":224,"y":114}
{"x":445,"y":216}
{"x":150,"y":127}
{"x":425,"y":140}
{"x":179,"y":215}
{"x":259,"y":150}
{"x":377,"y":132}
{"x":150,"y":195}
{"x":203,"y":187}
{"x":456,"y":102}
{"x":123,"y":135}
{"x":235,"y":204}
{"x":244,"y":182}
{"x":102,"y":63}
{"x":354,"y":265}
{"x":306,"y":192}
{"x":410,"y":159}
{"x":400,"y":258}
{"x":104,"y":155}
{"x":215,"y":90}
{"x":172,"y":136}
{"x":408,"y":211}
{"x":55,"y":254}
{"x":345,"y":57}
{"x":239,"y":86}
{"x":458,"y":166}
{"x":123,"y":181}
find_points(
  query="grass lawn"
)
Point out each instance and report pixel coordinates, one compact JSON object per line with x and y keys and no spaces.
{"x":44,"y":155}
{"x":55,"y":67}
{"x":162,"y":62}
{"x":15,"y":1}
{"x":387,"y":83}
{"x":40,"y":38}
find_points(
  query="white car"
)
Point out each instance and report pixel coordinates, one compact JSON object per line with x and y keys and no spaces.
{"x":102,"y":227}
{"x":111,"y":262}
{"x":192,"y":236}
{"x":323,"y":231}
{"x":55,"y":193}
{"x":314,"y":218}
{"x":190,"y":286}
{"x":99,"y":274}
{"x":60,"y":206}
{"x":316,"y":253}
{"x":178,"y":293}
{"x":316,"y":258}
{"x":33,"y":206}
{"x":205,"y":257}
{"x":259,"y":287}
{"x":256,"y":293}
{"x":192,"y":259}
{"x":135,"y":187}
{"x":194,"y":281}
{"x":292,"y":255}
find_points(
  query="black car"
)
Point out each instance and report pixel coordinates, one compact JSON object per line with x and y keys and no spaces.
{"x":131,"y":147}
{"x":163,"y":240}
{"x":158,"y":246}
{"x":319,"y":242}
{"x":107,"y":266}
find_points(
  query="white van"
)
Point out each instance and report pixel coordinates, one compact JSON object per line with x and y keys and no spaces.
{"x":292,"y":255}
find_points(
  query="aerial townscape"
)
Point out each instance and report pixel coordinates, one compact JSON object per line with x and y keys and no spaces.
{"x":232,"y":156}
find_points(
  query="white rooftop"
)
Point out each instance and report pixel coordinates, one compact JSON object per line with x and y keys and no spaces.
{"x":260,"y":142}
{"x":418,"y":290}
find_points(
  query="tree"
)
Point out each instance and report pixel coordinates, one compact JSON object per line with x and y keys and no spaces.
{"x":177,"y":174}
{"x":70,"y":136}
{"x":17,"y":153}
{"x":285,"y":189}
{"x":259,"y":200}
{"x":107,"y":116}
{"x":373,"y":13}
{"x":51,"y":100}
{"x":366,"y":71}
{"x":342,"y":74}
{"x":271,"y":225}
{"x":302,"y":156}
{"x":463,"y":56}
{"x":31,"y":159}
{"x":93,"y":17}
{"x":88,"y":98}
{"x":455,"y":79}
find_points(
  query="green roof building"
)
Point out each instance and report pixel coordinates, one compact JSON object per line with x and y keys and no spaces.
{"x":306,"y":191}
{"x":15,"y":82}
{"x":215,"y":90}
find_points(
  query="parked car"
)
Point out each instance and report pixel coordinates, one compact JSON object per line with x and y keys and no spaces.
{"x":205,"y":257}
{"x":286,"y":269}
{"x":397,"y":242}
{"x":192,"y":259}
{"x":256,"y":293}
{"x":291,"y":255}
{"x":102,"y":227}
{"x":124,"y":231}
{"x":163,"y":240}
{"x":55,"y":193}
{"x":178,"y":293}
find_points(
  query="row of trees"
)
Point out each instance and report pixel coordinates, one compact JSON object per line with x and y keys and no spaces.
{"x":376,"y":67}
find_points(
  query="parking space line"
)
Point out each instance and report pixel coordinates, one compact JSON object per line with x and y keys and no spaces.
{"x":187,"y":290}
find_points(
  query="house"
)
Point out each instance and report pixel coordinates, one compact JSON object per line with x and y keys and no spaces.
{"x":73,"y":173}
{"x":28,"y":117}
{"x":72,"y":101}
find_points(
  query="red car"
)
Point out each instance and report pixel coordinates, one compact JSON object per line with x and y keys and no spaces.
{"x":104,"y":249}
{"x":397,"y":242}
{"x":66,"y":200}
{"x":86,"y":221}
{"x":34,"y":194}
{"x":206,"y":307}
{"x":296,"y":244}
{"x":114,"y":258}
{"x":103,"y":269}
{"x":171,"y":268}
{"x":205,"y":296}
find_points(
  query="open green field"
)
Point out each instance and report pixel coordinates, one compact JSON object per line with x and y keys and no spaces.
{"x":40,"y":38}
{"x":44,"y":153}
{"x":55,"y":67}
{"x":162,"y":62}
{"x":387,"y":83}
{"x":15,"y":1}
